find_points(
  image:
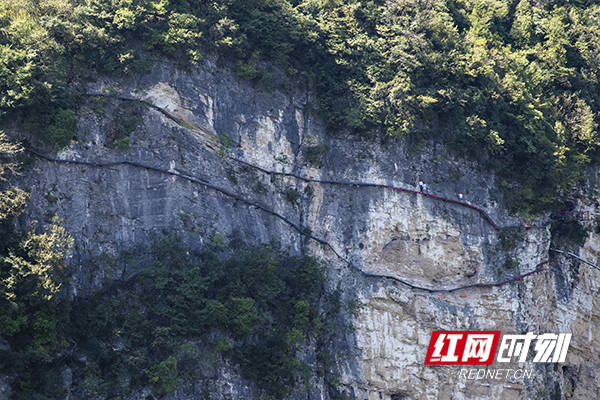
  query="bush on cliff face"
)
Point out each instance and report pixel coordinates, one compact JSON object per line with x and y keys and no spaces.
{"x":568,"y":232}
{"x":63,"y":129}
{"x":165,"y":375}
{"x":12,"y":199}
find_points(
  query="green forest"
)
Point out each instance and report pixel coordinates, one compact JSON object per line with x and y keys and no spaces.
{"x":513,"y":84}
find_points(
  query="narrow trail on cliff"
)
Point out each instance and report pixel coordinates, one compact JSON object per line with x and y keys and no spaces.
{"x":305,"y":231}
{"x":187,"y":126}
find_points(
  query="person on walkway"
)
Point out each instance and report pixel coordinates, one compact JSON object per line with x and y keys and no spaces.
{"x":460,"y":196}
{"x":421,"y":185}
{"x":424,"y":187}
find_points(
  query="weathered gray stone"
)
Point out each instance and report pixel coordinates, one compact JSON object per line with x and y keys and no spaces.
{"x":424,"y":241}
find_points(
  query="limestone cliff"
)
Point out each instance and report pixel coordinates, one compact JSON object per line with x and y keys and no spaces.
{"x":203,"y":122}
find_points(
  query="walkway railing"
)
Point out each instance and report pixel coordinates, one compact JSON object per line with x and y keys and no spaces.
{"x":303,"y":231}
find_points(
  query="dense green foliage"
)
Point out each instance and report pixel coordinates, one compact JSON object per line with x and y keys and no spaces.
{"x":514,"y":83}
{"x":32,"y":270}
{"x":31,"y":312}
{"x":177,"y":314}
{"x":12,"y":199}
{"x":62,"y":129}
{"x":258,"y":304}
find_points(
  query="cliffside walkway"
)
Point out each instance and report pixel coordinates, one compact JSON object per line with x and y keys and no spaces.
{"x":187,"y":126}
{"x":376,"y":185}
{"x":305,"y":231}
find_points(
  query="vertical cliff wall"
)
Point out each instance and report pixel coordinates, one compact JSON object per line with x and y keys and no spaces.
{"x":208,"y":124}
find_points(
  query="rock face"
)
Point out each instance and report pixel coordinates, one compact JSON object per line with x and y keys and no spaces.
{"x":194,"y":122}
